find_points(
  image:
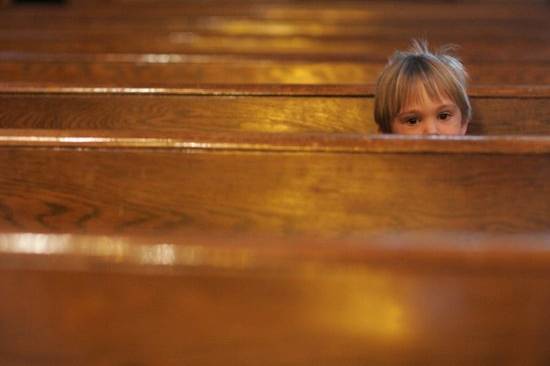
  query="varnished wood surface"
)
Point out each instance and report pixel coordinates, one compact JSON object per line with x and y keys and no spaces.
{"x":163,"y":254}
{"x":14,"y":25}
{"x":173,"y":70}
{"x":375,"y":50}
{"x":269,"y":142}
{"x":485,"y":31}
{"x":455,"y":299}
{"x":253,"y":189}
{"x":354,"y":11}
{"x":264,"y":109}
{"x":265,"y":90}
{"x":246,"y":288}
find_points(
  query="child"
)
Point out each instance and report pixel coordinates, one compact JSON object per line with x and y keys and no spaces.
{"x":422,"y":93}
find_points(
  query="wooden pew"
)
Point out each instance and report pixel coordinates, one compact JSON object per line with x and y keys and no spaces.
{"x":115,"y":182}
{"x":326,"y":11}
{"x":177,"y":69}
{"x":397,"y":300}
{"x":308,"y":48}
{"x":389,"y":29}
{"x":249,"y":108}
{"x":337,"y":297}
{"x":479,"y":50}
{"x":251,"y":18}
{"x":199,"y":32}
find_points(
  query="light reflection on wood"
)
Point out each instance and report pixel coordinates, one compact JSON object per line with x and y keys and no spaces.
{"x":273,"y":142}
{"x":308,"y":254}
{"x":293,"y":47}
{"x":390,"y":300}
{"x":283,"y":184}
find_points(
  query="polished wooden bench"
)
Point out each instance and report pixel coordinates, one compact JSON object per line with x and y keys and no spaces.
{"x":267,"y":248}
{"x":284,"y":47}
{"x":86,"y":24}
{"x":325,"y":11}
{"x":260,"y":108}
{"x":180,"y":69}
{"x":263,"y":42}
{"x":510,"y":32}
{"x":436,"y":299}
{"x":126,"y":181}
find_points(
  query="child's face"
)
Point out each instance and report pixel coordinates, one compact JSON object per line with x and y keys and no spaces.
{"x":427,"y":116}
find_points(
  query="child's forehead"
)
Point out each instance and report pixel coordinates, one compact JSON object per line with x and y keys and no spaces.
{"x":419,"y":94}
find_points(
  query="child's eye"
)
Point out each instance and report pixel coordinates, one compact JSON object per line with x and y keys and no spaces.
{"x":444,"y":115}
{"x":412,"y":120}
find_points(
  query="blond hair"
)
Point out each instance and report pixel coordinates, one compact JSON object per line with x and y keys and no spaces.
{"x":439,"y":74}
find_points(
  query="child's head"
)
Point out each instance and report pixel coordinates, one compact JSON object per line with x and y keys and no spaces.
{"x":420,"y":93}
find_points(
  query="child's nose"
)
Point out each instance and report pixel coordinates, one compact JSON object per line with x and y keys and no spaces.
{"x":430,"y":127}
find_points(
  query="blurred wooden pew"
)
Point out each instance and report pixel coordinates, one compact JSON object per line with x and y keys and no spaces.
{"x":508,"y":32}
{"x":326,"y":11}
{"x":181,"y":69}
{"x":385,"y":300}
{"x":264,"y":42}
{"x":389,"y":29}
{"x":257,"y":108}
{"x":479,"y":50}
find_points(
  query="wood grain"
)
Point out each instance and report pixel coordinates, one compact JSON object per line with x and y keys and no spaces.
{"x":72,"y":188}
{"x":174,"y":70}
{"x":188,"y":237}
{"x":285,"y":113}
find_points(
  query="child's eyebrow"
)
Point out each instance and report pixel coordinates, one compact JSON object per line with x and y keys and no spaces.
{"x":409,"y":111}
{"x":447,"y":106}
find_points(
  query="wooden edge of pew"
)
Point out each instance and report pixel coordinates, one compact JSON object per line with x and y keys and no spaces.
{"x":216,"y":57}
{"x":164,"y":58}
{"x":456,"y":251}
{"x":270,"y":142}
{"x":291,"y":90}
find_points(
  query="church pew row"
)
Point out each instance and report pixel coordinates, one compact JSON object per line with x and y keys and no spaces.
{"x":250,"y":108}
{"x":125,"y":182}
{"x":480,"y":50}
{"x":429,"y":300}
{"x":177,"y":69}
{"x":85,"y":25}
{"x":328,"y":12}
